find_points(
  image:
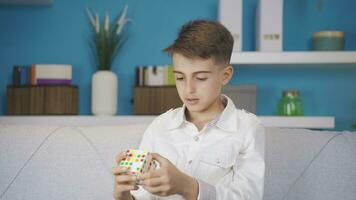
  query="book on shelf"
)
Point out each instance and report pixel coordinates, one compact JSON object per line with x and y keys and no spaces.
{"x":42,"y":74}
{"x":154,"y":75}
{"x":44,"y":81}
{"x":53,"y":71}
{"x":269,"y":26}
{"x":24,"y":76}
{"x":230,"y":14}
{"x":16,"y":77}
{"x":169,"y":76}
{"x":32,"y":75}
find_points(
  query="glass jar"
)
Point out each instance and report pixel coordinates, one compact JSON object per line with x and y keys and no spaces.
{"x":290,"y":104}
{"x":328,"y":41}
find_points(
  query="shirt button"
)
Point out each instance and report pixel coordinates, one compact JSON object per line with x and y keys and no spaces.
{"x":190,"y":162}
{"x":196,"y":138}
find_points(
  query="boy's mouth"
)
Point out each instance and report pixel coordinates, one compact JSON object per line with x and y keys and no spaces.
{"x":191,"y":101}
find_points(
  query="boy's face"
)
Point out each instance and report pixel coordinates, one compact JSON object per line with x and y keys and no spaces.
{"x":199,"y":81}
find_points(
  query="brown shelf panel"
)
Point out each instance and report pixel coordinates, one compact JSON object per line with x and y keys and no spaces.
{"x":42,"y":100}
{"x":155,"y":100}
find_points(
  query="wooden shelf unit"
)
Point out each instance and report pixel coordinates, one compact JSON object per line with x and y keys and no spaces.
{"x":294,"y":57}
{"x":42,"y":100}
{"x":155,"y":100}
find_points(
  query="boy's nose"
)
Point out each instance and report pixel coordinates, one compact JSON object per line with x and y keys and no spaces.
{"x":190,"y":86}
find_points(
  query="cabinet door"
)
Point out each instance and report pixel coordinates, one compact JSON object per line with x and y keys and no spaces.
{"x":155,"y":100}
{"x":42,"y":100}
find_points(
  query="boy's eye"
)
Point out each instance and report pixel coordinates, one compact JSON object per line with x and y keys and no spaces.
{"x":179,"y":78}
{"x":201,"y":79}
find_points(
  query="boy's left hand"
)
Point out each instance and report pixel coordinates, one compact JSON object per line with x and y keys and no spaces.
{"x":168,"y":180}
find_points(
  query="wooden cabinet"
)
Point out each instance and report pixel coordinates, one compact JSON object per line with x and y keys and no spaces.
{"x":155,"y":100}
{"x":42,"y":100}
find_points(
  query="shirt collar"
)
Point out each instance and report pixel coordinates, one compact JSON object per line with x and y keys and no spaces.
{"x":226,"y":120}
{"x":177,"y":118}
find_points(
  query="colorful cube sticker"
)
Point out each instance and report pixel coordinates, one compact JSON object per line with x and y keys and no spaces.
{"x":138,"y":161}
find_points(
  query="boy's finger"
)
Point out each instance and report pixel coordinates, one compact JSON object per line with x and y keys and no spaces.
{"x":120,"y":156}
{"x":151,"y":174}
{"x":119,"y":170}
{"x":153,"y":182}
{"x":124,"y":188}
{"x":155,"y":190}
{"x":160,"y":159}
{"x":128,"y":179}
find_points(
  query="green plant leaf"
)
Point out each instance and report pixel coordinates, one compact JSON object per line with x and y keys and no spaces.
{"x":107,"y":44}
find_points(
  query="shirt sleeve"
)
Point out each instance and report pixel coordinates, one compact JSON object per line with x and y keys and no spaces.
{"x":246,"y":181}
{"x":146,"y":144}
{"x":206,"y":191}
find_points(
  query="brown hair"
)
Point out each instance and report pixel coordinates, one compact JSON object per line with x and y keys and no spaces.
{"x":203,"y":39}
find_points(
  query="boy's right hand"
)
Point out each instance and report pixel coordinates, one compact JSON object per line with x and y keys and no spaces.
{"x":124,"y":182}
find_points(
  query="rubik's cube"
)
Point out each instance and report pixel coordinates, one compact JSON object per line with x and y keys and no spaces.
{"x":137,"y":161}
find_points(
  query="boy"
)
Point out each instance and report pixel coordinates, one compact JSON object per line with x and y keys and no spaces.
{"x":207,"y":149}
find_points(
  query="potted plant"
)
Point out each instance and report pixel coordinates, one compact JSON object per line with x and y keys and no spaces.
{"x":106,"y":42}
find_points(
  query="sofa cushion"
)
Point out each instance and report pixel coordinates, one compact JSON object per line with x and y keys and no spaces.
{"x":332,"y":175}
{"x":305,"y":164}
{"x":288,"y":152}
{"x":73,"y":163}
{"x":17,"y":143}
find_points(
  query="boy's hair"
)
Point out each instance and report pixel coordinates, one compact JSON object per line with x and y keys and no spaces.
{"x":203,"y":39}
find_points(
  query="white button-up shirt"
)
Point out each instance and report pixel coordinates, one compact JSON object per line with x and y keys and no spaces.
{"x":226,"y":157}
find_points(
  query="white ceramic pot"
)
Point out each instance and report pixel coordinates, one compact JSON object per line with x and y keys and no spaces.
{"x":104,"y":92}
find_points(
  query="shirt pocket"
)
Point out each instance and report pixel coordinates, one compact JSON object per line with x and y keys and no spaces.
{"x":214,"y":165}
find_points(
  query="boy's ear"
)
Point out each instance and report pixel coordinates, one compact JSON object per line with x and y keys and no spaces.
{"x":227,"y":74}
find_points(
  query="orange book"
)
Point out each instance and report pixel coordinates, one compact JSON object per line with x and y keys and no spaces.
{"x":33,"y":75}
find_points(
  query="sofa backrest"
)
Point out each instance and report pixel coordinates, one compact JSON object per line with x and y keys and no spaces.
{"x":51,"y":162}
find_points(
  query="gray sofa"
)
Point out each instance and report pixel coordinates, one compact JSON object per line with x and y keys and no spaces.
{"x":39,"y":162}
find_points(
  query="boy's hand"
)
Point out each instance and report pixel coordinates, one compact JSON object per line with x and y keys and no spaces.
{"x":168,"y":180}
{"x":123,"y":182}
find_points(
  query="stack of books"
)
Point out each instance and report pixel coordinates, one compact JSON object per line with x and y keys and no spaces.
{"x":42,"y":89}
{"x":155,"y":75}
{"x":42,"y":74}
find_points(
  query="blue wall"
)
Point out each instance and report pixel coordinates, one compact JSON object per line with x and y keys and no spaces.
{"x":56,"y":34}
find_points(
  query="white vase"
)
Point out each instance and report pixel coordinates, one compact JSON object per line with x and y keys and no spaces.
{"x":104,"y":93}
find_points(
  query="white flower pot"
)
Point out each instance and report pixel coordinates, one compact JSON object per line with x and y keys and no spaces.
{"x":104,"y":92}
